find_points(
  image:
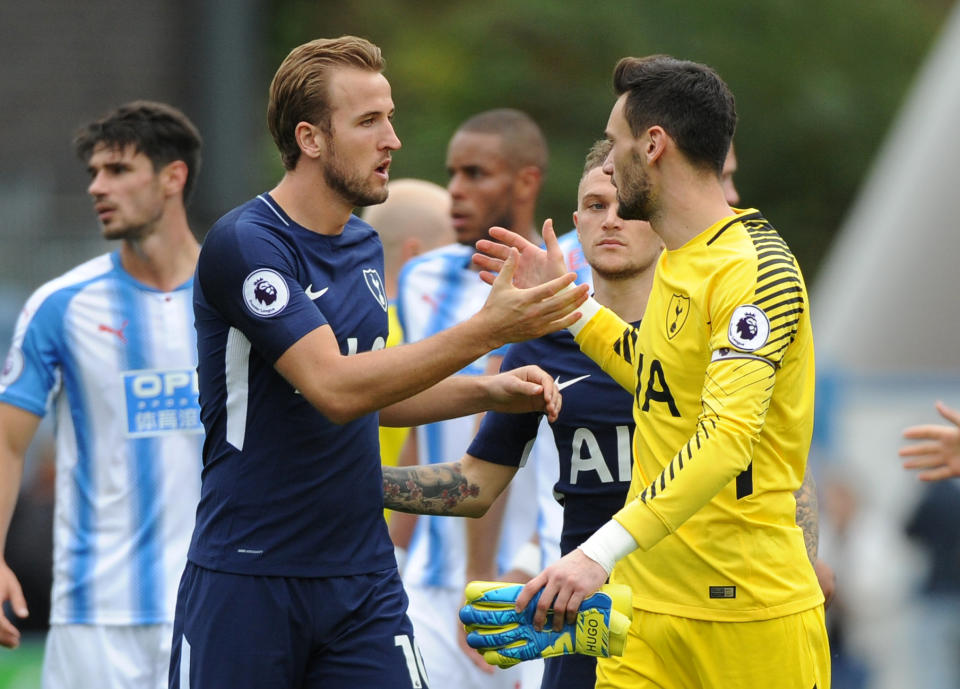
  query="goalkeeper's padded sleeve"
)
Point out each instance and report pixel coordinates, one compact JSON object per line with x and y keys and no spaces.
{"x":506,"y":637}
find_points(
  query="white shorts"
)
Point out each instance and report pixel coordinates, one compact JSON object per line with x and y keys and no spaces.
{"x":436,"y":625}
{"x":81,"y":656}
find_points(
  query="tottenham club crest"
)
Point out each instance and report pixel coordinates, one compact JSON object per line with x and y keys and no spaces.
{"x":375,"y":284}
{"x":749,"y":328}
{"x":265,"y":292}
{"x":677,"y":311}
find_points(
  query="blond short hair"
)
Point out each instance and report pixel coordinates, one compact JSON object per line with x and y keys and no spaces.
{"x":299,"y":90}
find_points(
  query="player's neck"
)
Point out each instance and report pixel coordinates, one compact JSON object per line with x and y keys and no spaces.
{"x":688,"y":212}
{"x":166,"y":257}
{"x":626,"y":298}
{"x":307,"y":199}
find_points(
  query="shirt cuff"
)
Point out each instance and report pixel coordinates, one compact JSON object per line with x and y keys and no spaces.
{"x":608,"y":544}
{"x":646,"y":526}
{"x":590,"y":308}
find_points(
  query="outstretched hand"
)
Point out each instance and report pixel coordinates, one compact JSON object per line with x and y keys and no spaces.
{"x":535,"y":265}
{"x":516,"y":314}
{"x":939,"y":458}
{"x":525,"y":389}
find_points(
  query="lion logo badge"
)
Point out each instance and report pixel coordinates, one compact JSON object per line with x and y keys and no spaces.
{"x":265,"y":292}
{"x":749,"y":328}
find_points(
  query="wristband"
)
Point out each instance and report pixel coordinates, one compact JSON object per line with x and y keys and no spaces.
{"x":588,"y":309}
{"x":527,"y":559}
{"x":610,"y":543}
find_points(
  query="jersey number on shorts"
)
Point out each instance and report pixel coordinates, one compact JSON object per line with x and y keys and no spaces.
{"x":414,"y":662}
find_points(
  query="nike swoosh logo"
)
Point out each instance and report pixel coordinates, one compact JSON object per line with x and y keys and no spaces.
{"x":315,"y":295}
{"x":561,"y":386}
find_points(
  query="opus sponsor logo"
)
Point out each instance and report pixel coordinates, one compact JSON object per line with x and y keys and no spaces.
{"x":162,"y":401}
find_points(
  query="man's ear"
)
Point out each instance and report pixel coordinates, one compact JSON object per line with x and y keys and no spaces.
{"x":310,"y":139}
{"x":527,"y":183}
{"x":655,"y":143}
{"x":173,"y":177}
{"x":412,"y":246}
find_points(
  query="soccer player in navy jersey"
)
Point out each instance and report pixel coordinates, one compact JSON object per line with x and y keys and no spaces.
{"x":109,"y":349}
{"x":291,"y":579}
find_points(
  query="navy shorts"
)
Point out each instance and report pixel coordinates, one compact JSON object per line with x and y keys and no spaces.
{"x":235,"y":630}
{"x":569,"y":672}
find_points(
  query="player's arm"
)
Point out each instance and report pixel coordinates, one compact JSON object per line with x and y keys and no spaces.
{"x":465,"y":488}
{"x":808,"y":519}
{"x":504,"y":439}
{"x":735,"y":400}
{"x":524,"y":389}
{"x":344,"y":388}
{"x":17,"y":428}
{"x":483,"y":533}
{"x":611,"y":343}
{"x":402,"y":524}
{"x":483,"y":540}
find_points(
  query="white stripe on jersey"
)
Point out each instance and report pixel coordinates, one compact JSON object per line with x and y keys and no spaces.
{"x":184,"y":662}
{"x":263,"y":198}
{"x":237,"y":373}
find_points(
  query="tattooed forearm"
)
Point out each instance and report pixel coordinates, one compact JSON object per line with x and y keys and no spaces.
{"x":808,"y":514}
{"x":437,"y":489}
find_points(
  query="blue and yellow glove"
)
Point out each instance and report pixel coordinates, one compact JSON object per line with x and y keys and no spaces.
{"x":506,"y":637}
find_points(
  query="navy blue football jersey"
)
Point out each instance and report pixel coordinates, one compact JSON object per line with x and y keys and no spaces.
{"x":285,"y":491}
{"x":593,"y":434}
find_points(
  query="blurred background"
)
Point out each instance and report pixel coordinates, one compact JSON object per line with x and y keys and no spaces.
{"x":847,"y":141}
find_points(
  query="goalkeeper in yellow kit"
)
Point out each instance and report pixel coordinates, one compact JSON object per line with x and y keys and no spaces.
{"x":722,"y":373}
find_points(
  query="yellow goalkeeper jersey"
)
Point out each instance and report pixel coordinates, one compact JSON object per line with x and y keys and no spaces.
{"x":391,"y":438}
{"x":722,"y":373}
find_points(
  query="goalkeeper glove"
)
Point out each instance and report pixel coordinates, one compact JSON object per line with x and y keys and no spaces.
{"x":506,"y":637}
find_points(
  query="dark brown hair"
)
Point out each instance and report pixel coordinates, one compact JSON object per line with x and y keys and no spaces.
{"x":689,"y":100}
{"x":159,"y":131}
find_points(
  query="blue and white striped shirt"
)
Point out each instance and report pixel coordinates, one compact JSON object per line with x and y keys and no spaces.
{"x":116,"y":362}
